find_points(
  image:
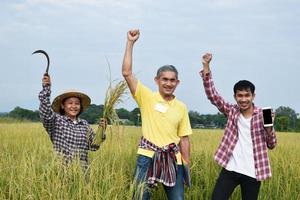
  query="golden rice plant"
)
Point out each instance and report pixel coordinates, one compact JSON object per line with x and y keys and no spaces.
{"x":113,"y":97}
{"x":29,"y":168}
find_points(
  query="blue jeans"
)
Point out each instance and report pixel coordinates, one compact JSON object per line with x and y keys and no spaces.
{"x":142,"y":191}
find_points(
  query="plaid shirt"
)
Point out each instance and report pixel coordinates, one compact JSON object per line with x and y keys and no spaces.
{"x":163,"y":167}
{"x":69,"y":139}
{"x":260,"y":139}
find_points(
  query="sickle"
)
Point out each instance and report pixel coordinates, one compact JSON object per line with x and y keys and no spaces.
{"x":48,"y":60}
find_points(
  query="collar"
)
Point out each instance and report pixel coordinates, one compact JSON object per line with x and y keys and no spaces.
{"x":255,"y":109}
{"x":79,"y":121}
{"x":159,"y":98}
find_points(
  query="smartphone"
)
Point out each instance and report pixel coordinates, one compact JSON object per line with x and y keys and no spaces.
{"x":267,"y":115}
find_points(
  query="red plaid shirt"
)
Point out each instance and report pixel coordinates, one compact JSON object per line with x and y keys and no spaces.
{"x":260,"y":139}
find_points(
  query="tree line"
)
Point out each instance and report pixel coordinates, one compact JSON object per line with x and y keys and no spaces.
{"x":286,"y":118}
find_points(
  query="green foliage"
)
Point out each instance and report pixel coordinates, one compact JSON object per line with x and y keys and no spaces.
{"x":286,"y":111}
{"x":298,"y":125}
{"x":195,"y":118}
{"x":282,"y":123}
{"x":21,"y":113}
{"x":123,"y":113}
{"x":135,"y":116}
{"x":207,"y":121}
{"x":92,"y":113}
{"x":286,"y":119}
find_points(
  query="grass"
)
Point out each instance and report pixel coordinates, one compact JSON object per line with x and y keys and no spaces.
{"x":13,"y":120}
{"x":30,"y":170}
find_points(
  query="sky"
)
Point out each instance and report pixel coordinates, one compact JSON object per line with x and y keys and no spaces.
{"x":256,"y":40}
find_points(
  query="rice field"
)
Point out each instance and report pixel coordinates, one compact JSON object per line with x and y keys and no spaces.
{"x":30,"y":170}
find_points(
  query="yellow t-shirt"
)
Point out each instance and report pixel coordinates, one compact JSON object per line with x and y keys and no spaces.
{"x":164,"y":122}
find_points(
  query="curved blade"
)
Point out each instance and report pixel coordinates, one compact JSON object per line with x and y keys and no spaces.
{"x":48,"y":59}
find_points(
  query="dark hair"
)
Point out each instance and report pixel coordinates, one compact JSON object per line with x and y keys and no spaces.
{"x":244,"y":85}
{"x":62,"y":111}
{"x":166,"y":68}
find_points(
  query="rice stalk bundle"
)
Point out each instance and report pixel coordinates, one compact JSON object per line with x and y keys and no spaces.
{"x":113,"y":97}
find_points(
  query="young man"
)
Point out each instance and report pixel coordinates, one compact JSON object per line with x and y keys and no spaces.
{"x":165,"y":127}
{"x":243,"y":149}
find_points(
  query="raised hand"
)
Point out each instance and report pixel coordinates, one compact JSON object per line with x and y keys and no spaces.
{"x":206,"y":58}
{"x":46,"y":80}
{"x":133,"y":35}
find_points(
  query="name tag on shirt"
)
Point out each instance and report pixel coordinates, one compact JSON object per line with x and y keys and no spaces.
{"x":161,"y":108}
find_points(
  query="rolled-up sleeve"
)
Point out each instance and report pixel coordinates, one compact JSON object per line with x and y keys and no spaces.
{"x":213,"y":95}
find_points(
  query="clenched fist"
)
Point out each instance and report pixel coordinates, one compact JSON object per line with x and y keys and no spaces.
{"x":206,"y":58}
{"x":133,"y":35}
{"x":46,"y":80}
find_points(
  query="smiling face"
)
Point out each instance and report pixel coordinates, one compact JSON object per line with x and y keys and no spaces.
{"x":72,"y":107}
{"x":167,"y":82}
{"x":244,"y":93}
{"x":244,"y":99}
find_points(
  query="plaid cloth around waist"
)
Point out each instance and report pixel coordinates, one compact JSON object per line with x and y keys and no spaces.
{"x":163,"y":167}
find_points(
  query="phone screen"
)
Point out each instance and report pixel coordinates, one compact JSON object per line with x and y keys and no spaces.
{"x":267,"y":113}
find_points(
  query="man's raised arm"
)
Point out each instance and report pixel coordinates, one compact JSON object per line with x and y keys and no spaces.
{"x":132,"y":37}
{"x":205,"y":62}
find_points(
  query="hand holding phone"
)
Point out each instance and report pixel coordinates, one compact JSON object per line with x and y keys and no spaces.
{"x":267,"y":116}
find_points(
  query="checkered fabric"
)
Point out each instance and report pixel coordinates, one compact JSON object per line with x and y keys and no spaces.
{"x":70,"y":139}
{"x":163,"y":168}
{"x":260,"y":139}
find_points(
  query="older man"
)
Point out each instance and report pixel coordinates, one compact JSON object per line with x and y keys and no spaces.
{"x":165,"y":145}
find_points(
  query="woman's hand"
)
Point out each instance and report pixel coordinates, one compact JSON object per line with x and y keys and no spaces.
{"x":46,"y":81}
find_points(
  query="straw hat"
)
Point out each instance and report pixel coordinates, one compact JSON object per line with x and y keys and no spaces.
{"x":85,"y":99}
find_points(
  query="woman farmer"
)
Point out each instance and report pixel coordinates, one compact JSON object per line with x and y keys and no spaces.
{"x":71,"y":136}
